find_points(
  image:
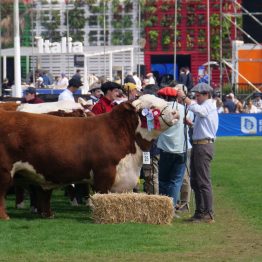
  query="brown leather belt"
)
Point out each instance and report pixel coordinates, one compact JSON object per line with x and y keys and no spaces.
{"x":203,"y":141}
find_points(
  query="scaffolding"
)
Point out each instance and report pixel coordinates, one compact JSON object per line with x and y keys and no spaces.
{"x":231,"y":16}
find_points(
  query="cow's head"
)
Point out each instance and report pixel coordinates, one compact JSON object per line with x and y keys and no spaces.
{"x":155,"y":116}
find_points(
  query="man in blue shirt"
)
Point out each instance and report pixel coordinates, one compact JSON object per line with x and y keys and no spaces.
{"x":204,"y":133}
{"x":173,"y":147}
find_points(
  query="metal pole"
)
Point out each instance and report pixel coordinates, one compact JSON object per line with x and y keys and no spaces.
{"x":67,"y":34}
{"x":17,"y":91}
{"x":175,"y":37}
{"x":86,"y":84}
{"x":221,"y":48}
{"x":139,"y":36}
{"x":111,"y":66}
{"x":4,"y":67}
{"x":104,"y":13}
{"x":33,"y":40}
{"x":235,"y":21}
{"x":208,"y":40}
{"x":0,"y":53}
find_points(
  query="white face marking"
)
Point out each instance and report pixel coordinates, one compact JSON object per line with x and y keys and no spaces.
{"x":150,"y":101}
{"x":128,"y":172}
{"x":29,"y":171}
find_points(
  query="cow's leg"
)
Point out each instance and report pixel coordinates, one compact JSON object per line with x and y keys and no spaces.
{"x":5,"y":179}
{"x":19,"y":196}
{"x":43,"y":200}
{"x":104,"y":180}
{"x":33,"y":198}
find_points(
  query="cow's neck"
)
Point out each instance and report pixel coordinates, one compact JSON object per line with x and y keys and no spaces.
{"x":143,"y":144}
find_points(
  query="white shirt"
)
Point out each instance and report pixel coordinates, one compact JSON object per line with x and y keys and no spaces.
{"x":173,"y":139}
{"x":206,"y":120}
{"x":138,"y":82}
{"x":66,"y":95}
{"x":63,"y":83}
{"x":252,"y":110}
{"x":151,"y":80}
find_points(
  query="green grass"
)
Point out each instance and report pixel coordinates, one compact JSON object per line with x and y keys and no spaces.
{"x":71,"y":236}
{"x":237,"y":173}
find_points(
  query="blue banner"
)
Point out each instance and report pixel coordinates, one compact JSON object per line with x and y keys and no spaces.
{"x":240,"y":125}
{"x":46,"y":91}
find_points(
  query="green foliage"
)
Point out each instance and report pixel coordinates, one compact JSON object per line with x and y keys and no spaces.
{"x":116,"y":38}
{"x":150,"y":9}
{"x":51,"y":23}
{"x":149,"y":21}
{"x":153,"y":35}
{"x":128,"y":38}
{"x":127,"y":21}
{"x":166,"y":38}
{"x":77,"y":18}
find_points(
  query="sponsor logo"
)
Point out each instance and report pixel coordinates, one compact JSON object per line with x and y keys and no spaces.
{"x":248,"y":125}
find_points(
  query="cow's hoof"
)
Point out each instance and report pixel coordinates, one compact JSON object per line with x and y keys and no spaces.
{"x":74,"y":203}
{"x":47,"y":215}
{"x":33,"y":210}
{"x":4,"y":217}
{"x":20,"y":205}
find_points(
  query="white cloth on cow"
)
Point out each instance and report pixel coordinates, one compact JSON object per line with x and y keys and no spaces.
{"x":66,"y":95}
{"x":67,"y":106}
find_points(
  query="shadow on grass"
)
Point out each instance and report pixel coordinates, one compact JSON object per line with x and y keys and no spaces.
{"x":60,"y":206}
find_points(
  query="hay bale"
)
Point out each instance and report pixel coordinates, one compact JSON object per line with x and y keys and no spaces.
{"x":132,"y":207}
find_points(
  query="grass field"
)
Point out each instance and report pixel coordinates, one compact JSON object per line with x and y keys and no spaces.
{"x":71,"y":236}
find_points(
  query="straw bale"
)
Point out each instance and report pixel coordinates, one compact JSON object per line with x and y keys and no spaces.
{"x":132,"y":207}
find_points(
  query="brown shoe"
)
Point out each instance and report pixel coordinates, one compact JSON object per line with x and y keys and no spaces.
{"x":208,"y":218}
{"x":196,"y":218}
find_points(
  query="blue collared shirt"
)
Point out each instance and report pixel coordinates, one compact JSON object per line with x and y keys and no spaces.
{"x":173,"y":139}
{"x":206,"y":120}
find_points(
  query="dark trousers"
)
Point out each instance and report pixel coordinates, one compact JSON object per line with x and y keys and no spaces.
{"x":171,"y":173}
{"x":201,"y":156}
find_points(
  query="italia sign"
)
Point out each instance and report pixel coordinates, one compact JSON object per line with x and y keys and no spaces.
{"x":65,"y":46}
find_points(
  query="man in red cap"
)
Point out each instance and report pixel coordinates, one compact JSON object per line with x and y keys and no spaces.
{"x":105,"y":104}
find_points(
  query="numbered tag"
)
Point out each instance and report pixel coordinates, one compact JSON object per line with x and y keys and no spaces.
{"x":146,"y":158}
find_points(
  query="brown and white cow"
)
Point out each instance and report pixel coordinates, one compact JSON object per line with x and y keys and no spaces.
{"x":51,"y":152}
{"x":10,"y":106}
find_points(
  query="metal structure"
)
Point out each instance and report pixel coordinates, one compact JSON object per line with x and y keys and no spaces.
{"x":182,"y":31}
{"x":236,"y":11}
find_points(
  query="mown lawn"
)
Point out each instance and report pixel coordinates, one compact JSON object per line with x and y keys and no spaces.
{"x":71,"y":236}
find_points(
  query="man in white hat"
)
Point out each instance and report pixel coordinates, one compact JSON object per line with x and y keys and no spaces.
{"x":96,"y":92}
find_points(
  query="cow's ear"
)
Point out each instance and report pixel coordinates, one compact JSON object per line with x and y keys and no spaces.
{"x":137,"y":104}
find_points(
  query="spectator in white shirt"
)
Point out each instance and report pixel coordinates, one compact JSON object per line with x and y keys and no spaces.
{"x":67,"y":95}
{"x":138,"y":81}
{"x":250,"y":108}
{"x":257,"y":102}
{"x":151,"y":78}
{"x":63,"y":82}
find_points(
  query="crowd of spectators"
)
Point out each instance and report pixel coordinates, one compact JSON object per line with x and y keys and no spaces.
{"x":230,"y":104}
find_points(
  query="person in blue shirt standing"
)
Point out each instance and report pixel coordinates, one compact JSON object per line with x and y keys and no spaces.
{"x":204,"y":134}
{"x":204,"y":78}
{"x":46,"y":79}
{"x":173,"y":150}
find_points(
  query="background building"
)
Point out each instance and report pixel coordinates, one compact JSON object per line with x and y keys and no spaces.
{"x":145,"y":26}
